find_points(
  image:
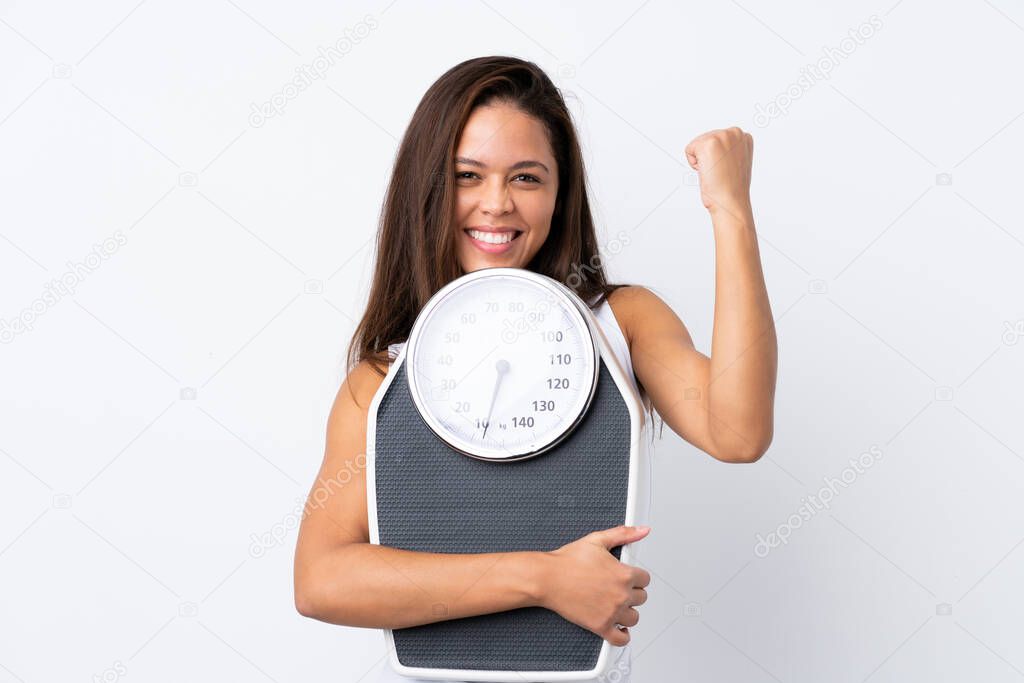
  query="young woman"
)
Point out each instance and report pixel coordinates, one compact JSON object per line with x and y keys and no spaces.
{"x":490,"y":173}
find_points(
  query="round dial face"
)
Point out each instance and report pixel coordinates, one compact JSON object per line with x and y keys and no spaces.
{"x":501,"y":363}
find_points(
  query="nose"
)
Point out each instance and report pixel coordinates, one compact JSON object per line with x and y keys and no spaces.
{"x":496,"y":200}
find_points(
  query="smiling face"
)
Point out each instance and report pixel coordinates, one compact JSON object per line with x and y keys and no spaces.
{"x":506,"y":184}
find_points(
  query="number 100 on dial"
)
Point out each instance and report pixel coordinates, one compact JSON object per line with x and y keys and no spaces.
{"x":502,"y":363}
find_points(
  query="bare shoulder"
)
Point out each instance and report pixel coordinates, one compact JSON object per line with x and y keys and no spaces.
{"x":346,"y":424}
{"x":637,"y":308}
{"x":357,"y":391}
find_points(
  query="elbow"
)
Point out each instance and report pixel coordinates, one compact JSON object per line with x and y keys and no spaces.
{"x":305,"y":601}
{"x":745,"y":441}
{"x":737,"y":457}
{"x":321,"y":606}
{"x":308,"y":591}
{"x":319,"y":598}
{"x":751,"y":456}
{"x":745,"y":451}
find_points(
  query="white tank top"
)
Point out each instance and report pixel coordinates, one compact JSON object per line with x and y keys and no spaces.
{"x":622,"y":662}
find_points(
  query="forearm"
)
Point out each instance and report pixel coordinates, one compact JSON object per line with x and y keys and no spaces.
{"x":741,"y":388}
{"x":376,"y":586}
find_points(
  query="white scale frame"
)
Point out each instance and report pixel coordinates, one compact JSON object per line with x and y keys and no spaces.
{"x":638,"y":491}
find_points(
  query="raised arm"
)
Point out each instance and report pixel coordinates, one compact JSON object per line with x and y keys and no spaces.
{"x":724,"y":404}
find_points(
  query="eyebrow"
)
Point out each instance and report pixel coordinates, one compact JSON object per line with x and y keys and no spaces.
{"x":514,"y":167}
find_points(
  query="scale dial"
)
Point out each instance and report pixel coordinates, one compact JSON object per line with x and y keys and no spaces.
{"x":502,"y":363}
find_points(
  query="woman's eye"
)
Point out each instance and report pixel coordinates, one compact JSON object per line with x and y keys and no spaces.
{"x":459,"y":175}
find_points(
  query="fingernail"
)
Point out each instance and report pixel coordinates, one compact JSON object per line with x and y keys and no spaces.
{"x":642,"y":528}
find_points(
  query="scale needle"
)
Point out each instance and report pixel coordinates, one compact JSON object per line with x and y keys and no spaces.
{"x":502,"y":367}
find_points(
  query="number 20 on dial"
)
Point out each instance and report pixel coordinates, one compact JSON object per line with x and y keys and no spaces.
{"x":502,"y":363}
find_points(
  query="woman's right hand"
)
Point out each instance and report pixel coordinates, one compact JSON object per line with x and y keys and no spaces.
{"x":588,"y":586}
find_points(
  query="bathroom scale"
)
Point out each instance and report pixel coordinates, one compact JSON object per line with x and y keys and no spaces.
{"x":505,"y":423}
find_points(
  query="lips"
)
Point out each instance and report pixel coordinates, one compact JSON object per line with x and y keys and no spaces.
{"x":493,"y":236}
{"x":492,"y":240}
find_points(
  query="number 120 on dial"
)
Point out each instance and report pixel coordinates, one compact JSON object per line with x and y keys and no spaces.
{"x":502,"y":363}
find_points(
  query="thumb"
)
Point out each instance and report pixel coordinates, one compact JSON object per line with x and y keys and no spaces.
{"x":691,"y":156}
{"x":619,"y":535}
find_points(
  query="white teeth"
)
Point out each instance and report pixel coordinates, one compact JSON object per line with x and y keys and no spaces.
{"x":492,"y":237}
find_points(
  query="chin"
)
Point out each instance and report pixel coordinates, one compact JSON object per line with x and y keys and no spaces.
{"x":474,"y":264}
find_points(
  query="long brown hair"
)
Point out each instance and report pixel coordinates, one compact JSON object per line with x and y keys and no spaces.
{"x":416,"y":243}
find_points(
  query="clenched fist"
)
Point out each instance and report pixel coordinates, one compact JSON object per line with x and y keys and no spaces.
{"x":722,"y":159}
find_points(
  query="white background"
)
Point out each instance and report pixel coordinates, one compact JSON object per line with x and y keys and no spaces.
{"x":128,"y":513}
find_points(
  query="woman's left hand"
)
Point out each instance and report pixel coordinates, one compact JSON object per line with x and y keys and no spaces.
{"x":722,"y":159}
